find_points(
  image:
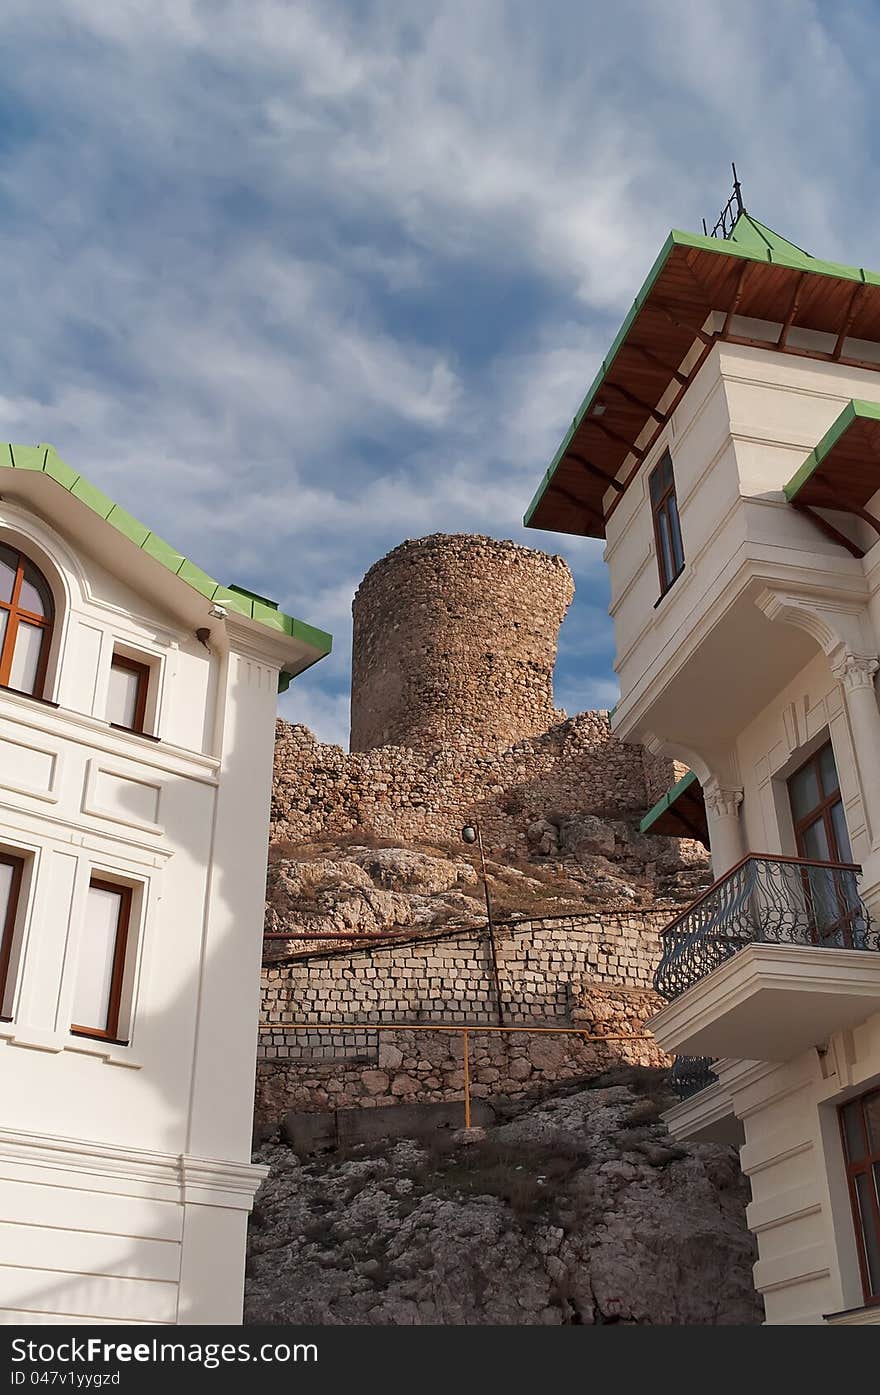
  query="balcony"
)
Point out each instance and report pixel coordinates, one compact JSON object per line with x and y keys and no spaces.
{"x":770,"y":960}
{"x":690,"y":1074}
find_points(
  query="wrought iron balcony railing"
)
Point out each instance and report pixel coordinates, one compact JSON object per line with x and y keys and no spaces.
{"x":691,"y":1074}
{"x":777,"y":900}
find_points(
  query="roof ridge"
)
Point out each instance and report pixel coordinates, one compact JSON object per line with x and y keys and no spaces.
{"x":774,"y":241}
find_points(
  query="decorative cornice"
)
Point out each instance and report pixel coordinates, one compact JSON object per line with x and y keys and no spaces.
{"x":181,"y":1177}
{"x":829,"y":620}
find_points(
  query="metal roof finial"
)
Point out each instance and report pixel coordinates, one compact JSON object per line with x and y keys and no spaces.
{"x":729,"y":213}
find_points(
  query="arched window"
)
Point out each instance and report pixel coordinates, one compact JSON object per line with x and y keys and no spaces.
{"x":26,"y":616}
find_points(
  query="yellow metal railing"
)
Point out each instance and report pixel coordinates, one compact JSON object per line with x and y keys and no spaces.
{"x":464,"y":1031}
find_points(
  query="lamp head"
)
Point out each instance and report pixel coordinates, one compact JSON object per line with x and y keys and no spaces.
{"x":469,"y":834}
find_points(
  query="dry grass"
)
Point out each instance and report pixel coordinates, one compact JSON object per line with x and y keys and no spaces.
{"x":531,"y":1179}
{"x":648,"y":1081}
{"x":359,"y":838}
{"x":646,"y":1111}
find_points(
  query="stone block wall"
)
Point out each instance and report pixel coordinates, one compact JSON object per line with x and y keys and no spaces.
{"x":561,"y":972}
{"x":415,"y":1067}
{"x":447,"y":975}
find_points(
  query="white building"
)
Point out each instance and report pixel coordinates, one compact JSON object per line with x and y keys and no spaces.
{"x":729,"y":451}
{"x":137,"y":709}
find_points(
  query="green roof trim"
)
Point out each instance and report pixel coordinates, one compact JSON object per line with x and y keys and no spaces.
{"x":751,"y":241}
{"x":667,"y":800}
{"x":254,"y":595}
{"x":853,"y":410}
{"x":45,"y":459}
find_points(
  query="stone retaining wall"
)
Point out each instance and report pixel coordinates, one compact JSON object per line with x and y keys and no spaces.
{"x":556,"y":972}
{"x":422,"y":1066}
{"x":447,"y":976}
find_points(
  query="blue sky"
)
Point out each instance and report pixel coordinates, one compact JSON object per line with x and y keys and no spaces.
{"x":296,"y":281}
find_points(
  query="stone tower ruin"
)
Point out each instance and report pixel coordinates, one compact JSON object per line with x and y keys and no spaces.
{"x":455,"y":640}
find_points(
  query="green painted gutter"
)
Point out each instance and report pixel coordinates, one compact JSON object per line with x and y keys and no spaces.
{"x":46,"y":460}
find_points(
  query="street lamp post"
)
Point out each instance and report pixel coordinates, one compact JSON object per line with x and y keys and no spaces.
{"x":471,"y":834}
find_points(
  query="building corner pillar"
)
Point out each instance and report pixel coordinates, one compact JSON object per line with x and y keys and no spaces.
{"x":855,"y":673}
{"x":725,"y":826}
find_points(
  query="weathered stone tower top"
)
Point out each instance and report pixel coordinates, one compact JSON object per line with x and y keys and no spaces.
{"x":454,"y":644}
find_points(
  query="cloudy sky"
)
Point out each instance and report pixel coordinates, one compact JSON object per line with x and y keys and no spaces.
{"x":295,"y":281}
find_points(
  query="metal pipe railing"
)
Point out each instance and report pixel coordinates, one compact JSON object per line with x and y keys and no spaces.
{"x":464,"y":1031}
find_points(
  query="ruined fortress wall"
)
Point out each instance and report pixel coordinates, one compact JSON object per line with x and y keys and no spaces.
{"x":660,"y":776}
{"x":455,"y":641}
{"x":585,"y":971}
{"x":420,"y":796}
{"x":453,"y":721}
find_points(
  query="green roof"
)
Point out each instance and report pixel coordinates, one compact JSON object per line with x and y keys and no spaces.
{"x":45,"y":459}
{"x":854,"y":411}
{"x":748,"y":232}
{"x":666,"y":801}
{"x":749,"y":240}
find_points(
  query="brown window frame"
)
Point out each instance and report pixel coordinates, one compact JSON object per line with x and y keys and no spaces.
{"x":110,"y":1031}
{"x":864,"y":1165}
{"x":7,"y":932}
{"x":659,"y":509}
{"x":822,"y":809}
{"x":143,"y":672}
{"x":15,"y":613}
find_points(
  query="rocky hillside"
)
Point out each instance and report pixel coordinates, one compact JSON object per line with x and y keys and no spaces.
{"x":574,"y":1209}
{"x":360,"y":885}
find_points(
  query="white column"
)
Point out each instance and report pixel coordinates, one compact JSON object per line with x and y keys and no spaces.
{"x":725,"y":828}
{"x":856,"y":673}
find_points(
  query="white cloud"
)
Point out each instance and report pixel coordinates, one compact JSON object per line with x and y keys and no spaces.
{"x":588,"y":694}
{"x":233,"y":233}
{"x":327,"y":716}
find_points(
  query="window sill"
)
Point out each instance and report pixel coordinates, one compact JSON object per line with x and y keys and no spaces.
{"x":97,"y":1036}
{"x":867,"y":1316}
{"x":133,"y":731}
{"x":664,"y":594}
{"x":107,"y":1050}
{"x":31,"y":697}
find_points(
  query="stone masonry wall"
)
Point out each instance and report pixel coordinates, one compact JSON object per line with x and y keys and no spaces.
{"x":426,"y":1067}
{"x":556,"y":972}
{"x":455,"y":640}
{"x":453,"y":721}
{"x":411,"y":796}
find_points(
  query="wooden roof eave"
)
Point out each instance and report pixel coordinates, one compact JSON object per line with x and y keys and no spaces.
{"x":842,"y":473}
{"x":687,"y":283}
{"x":680,"y":813}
